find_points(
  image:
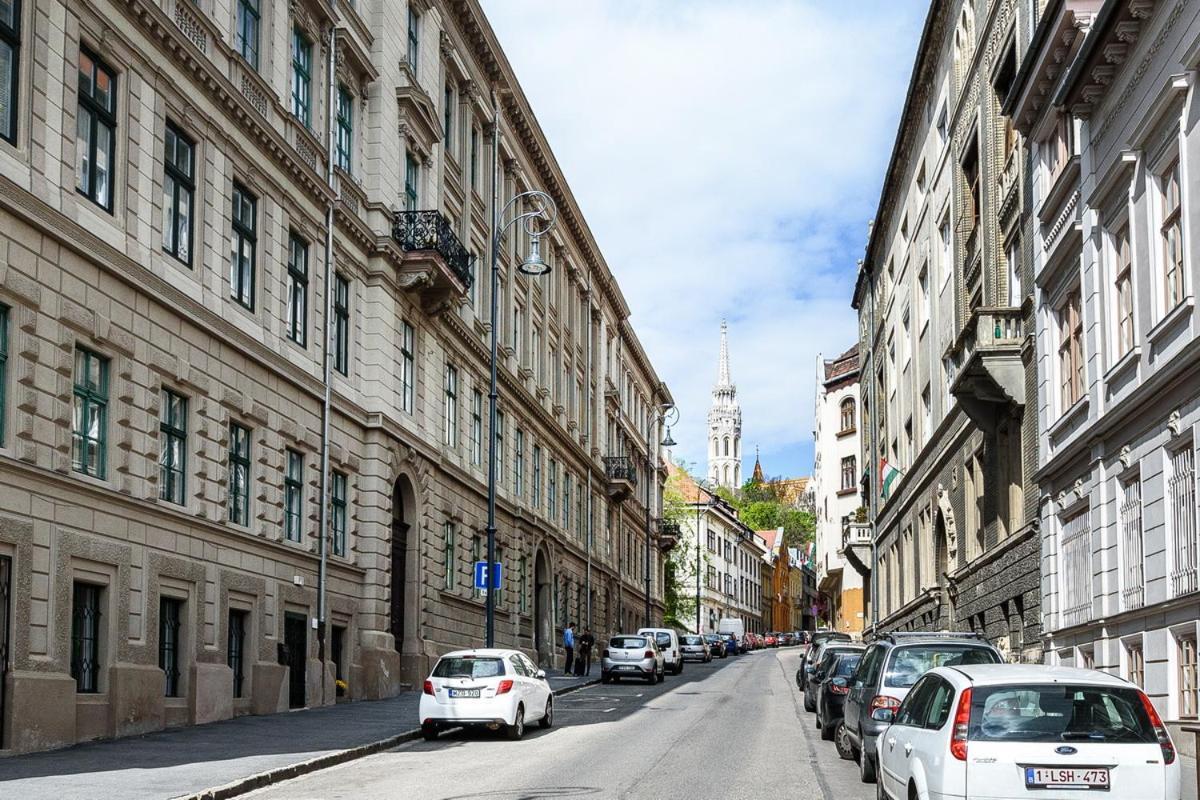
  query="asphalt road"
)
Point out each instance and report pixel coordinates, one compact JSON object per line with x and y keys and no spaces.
{"x":731,"y":729}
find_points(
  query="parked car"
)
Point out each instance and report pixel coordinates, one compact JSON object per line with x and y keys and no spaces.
{"x":667,"y":640}
{"x":821,"y":669}
{"x":889,"y":668}
{"x":747,"y":643}
{"x":717,"y":644}
{"x":772,"y":640}
{"x":836,"y":669}
{"x":490,"y":688}
{"x":818,"y":637}
{"x":694,"y":646}
{"x":1012,"y":730}
{"x":808,"y":665}
{"x":632,"y":656}
{"x":787,"y":639}
{"x":731,"y":625}
{"x":731,"y":644}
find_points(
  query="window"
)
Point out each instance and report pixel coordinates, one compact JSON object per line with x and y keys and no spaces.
{"x":235,"y":652}
{"x":579,"y":510}
{"x":10,"y":63}
{"x":476,"y":427}
{"x":1070,"y":351}
{"x":245,"y":238}
{"x":412,"y":174}
{"x":923,"y":303}
{"x":239,"y":474}
{"x":1181,"y":513}
{"x":1135,"y":663}
{"x":1185,"y":656}
{"x":341,"y":324}
{"x":96,"y":130}
{"x":943,"y":125}
{"x":536,"y":497}
{"x":450,"y":410}
{"x":1124,"y":293}
{"x":849,"y":473}
{"x":406,"y":367}
{"x":345,"y":130}
{"x":293,"y":496}
{"x":1012,"y":259}
{"x":448,"y":555}
{"x":448,"y":119}
{"x":172,"y":459}
{"x":946,"y":261}
{"x":926,"y":413}
{"x":338,"y":501}
{"x":1059,"y":147}
{"x":414,"y":37}
{"x":1075,"y":564}
{"x":522,"y":581}
{"x":85,"y":637}
{"x":89,"y":424}
{"x":566,"y":501}
{"x":1171,"y":231}
{"x":500,"y":447}
{"x":847,"y":412}
{"x":519,"y":464}
{"x":297,"y":310}
{"x":552,"y":489}
{"x":179,"y":186}
{"x":1132,"y":575}
{"x":168,"y":642}
{"x":246,"y":41}
{"x":3,"y":367}
{"x":475,"y":158}
{"x":301,"y":78}
{"x":476,"y":557}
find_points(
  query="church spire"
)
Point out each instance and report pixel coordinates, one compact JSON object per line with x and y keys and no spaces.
{"x":757,"y":476}
{"x":725,"y":424}
{"x":723,"y":369}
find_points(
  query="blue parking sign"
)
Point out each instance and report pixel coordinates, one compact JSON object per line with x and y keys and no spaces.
{"x":481,"y":575}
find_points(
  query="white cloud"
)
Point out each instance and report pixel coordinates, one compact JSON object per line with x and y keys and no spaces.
{"x":727,"y":156}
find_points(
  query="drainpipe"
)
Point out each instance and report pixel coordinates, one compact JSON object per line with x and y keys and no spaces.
{"x":587,"y":423}
{"x":873,"y":469}
{"x":327,"y":355}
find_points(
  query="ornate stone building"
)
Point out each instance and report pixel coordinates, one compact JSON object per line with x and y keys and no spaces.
{"x":172,"y":321}
{"x":725,"y":425}
{"x":946,"y":337}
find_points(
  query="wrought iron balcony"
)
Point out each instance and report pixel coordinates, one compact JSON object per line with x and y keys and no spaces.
{"x":668,"y":533}
{"x":621,"y":472}
{"x":986,"y":363}
{"x":436,"y":261}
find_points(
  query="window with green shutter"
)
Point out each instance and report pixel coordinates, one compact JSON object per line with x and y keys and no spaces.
{"x":89,"y":423}
{"x":172,"y":460}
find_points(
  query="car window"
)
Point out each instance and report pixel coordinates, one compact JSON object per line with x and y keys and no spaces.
{"x":939,"y":705}
{"x":1059,"y":713}
{"x":868,"y":669}
{"x":662,"y":639}
{"x":530,"y":667}
{"x":517,"y":666}
{"x":846,"y":664}
{"x":691,"y":640}
{"x":627,"y":642}
{"x":915,"y":706}
{"x":468,"y":667}
{"x":909,"y":663}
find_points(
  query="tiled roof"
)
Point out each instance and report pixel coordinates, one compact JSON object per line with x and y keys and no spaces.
{"x":845,"y":364}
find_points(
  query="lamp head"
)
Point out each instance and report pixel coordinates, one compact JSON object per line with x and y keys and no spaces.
{"x":667,"y":440}
{"x":533,"y":263}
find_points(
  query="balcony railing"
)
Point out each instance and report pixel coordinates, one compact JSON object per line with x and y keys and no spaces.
{"x":431,"y":231}
{"x":856,"y":534}
{"x":668,"y":533}
{"x":620,"y":468}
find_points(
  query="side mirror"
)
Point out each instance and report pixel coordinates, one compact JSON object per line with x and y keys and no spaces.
{"x":883,"y":715}
{"x":810,"y":669}
{"x":839,"y":682}
{"x":540,"y":674}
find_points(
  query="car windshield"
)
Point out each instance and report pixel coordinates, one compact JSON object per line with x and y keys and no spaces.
{"x":663,"y":639}
{"x":846,"y":664}
{"x":468,"y":667}
{"x":1059,"y":713}
{"x":627,"y":642}
{"x":692,"y":640}
{"x":910,"y":663}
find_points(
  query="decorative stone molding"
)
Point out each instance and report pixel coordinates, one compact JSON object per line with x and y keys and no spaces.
{"x":1125,"y":457}
{"x":1174,"y":423}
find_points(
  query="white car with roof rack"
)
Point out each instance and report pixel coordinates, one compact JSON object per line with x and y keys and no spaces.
{"x":990,"y":731}
{"x":491,"y":688}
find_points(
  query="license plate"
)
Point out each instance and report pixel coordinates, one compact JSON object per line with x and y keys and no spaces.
{"x":1067,"y":778}
{"x":626,"y":668}
{"x":464,"y":693}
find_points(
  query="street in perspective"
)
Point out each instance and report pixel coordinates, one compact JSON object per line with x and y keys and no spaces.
{"x":599,"y":398}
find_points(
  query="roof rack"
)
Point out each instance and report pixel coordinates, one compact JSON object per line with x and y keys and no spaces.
{"x":901,"y":636}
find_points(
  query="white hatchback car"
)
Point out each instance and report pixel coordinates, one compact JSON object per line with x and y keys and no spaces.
{"x":1017,"y":731}
{"x":668,"y":642}
{"x":487,"y":688}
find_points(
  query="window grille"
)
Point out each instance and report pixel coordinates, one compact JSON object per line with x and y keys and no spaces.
{"x":1181,"y":509}
{"x":1132,"y":580}
{"x":1075,"y":565}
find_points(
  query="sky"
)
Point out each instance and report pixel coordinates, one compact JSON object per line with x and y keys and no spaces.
{"x":727,"y":155}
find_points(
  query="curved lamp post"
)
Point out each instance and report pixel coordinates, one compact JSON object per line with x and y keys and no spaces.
{"x":700,"y":507}
{"x":663,"y":412}
{"x":537,"y":223}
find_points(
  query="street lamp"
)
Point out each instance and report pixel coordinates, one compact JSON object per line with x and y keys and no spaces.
{"x":537,"y":223}
{"x":662,"y":412}
{"x":699,"y":506}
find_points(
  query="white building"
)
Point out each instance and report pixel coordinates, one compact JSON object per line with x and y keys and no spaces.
{"x":725,"y":425}
{"x":835,"y":491}
{"x":1108,"y":104}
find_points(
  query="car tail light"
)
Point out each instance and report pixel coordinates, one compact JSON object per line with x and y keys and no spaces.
{"x":882,"y":702}
{"x":428,"y":687}
{"x":504,"y":688}
{"x":605,"y":653}
{"x":833,"y":687}
{"x":1164,"y":738}
{"x":962,"y":718}
{"x":648,"y":654}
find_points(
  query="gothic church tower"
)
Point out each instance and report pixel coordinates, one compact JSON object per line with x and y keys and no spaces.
{"x":725,"y":425}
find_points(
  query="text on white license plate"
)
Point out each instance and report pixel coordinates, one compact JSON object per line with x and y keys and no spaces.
{"x":464,"y":693}
{"x":1066,"y":778}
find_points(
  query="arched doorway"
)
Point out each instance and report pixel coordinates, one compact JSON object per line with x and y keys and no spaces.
{"x":403,"y":503}
{"x":543,"y":602}
{"x":941,"y":559}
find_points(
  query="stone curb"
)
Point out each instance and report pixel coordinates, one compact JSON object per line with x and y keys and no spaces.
{"x":280,"y":774}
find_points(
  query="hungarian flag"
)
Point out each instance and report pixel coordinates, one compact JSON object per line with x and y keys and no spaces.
{"x":888,"y":475}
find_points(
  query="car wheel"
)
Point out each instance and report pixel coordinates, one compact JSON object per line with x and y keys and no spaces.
{"x":653,"y":679}
{"x":429,"y":733}
{"x":517,"y":729}
{"x":842,"y":743}
{"x":828,"y":732}
{"x":547,"y":719}
{"x":679,"y":667}
{"x":809,"y":705}
{"x":866,"y":768}
{"x":817,"y":720}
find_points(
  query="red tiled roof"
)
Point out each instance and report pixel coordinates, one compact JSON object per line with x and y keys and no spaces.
{"x":844,"y":364}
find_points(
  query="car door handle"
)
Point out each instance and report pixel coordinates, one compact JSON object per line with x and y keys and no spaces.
{"x":891,"y":742}
{"x":907,"y":749}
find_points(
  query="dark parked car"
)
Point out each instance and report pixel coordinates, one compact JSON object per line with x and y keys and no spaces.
{"x":813,"y":651}
{"x":835,"y":672}
{"x":820,"y":668}
{"x":732,"y":644}
{"x":716,"y":644}
{"x":889,"y":668}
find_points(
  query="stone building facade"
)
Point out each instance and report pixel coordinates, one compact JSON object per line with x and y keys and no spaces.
{"x":165,"y":325}
{"x":1108,"y":104}
{"x":946,"y":326}
{"x":835,"y":489}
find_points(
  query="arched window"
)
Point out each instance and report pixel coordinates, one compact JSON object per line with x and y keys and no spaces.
{"x":726,"y":445}
{"x":847,"y":409}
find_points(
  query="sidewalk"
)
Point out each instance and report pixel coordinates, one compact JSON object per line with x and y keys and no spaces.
{"x":186,"y":762}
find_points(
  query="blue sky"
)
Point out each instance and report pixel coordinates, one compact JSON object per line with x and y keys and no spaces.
{"x":728,"y":156}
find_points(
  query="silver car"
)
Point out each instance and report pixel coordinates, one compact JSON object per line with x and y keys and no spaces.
{"x":631,"y":656}
{"x":694,"y":648}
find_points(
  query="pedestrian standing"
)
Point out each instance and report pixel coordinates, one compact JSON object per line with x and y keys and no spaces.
{"x":569,"y":646}
{"x":586,"y":643}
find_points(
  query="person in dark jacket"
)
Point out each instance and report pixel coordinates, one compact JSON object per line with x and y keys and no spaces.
{"x":583,"y":663}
